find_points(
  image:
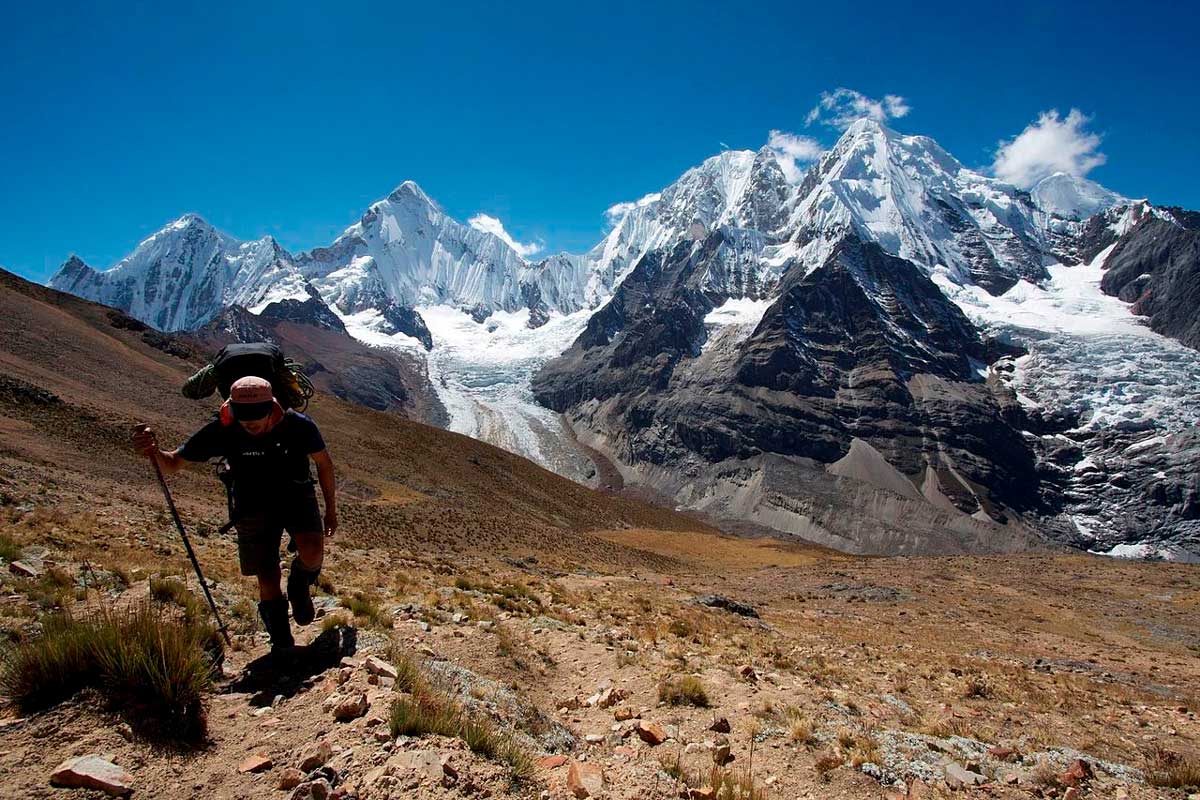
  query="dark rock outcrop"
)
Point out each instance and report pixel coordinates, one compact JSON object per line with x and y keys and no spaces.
{"x":863,"y":348}
{"x":407,"y":320}
{"x":1156,"y":266}
{"x":312,"y":311}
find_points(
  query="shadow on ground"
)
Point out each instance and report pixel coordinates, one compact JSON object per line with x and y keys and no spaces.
{"x":285,"y":673}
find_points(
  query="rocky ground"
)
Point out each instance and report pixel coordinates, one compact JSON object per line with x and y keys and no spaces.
{"x":798,"y":673}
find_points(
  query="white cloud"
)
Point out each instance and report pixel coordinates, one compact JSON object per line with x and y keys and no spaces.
{"x":791,"y":151}
{"x":615,"y":213}
{"x":489,"y":224}
{"x":1052,"y":144}
{"x":842,"y":106}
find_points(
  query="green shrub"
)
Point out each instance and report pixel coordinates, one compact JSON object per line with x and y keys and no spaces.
{"x":150,"y":666}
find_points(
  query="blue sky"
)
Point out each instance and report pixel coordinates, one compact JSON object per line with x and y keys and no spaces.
{"x":291,"y":118}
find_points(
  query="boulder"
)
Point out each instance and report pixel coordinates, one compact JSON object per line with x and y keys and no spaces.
{"x":585,"y":779}
{"x":92,"y":772}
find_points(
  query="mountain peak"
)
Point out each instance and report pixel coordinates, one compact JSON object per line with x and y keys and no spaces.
{"x":409,"y":191}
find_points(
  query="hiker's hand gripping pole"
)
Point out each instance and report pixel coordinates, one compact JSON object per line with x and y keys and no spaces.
{"x":162,"y":482}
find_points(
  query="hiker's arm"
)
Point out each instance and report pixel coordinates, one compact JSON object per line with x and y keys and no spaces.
{"x":202,"y":384}
{"x":328,"y":489}
{"x":145,"y":441}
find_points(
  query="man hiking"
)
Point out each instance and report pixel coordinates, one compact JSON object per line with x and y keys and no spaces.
{"x":268,"y":450}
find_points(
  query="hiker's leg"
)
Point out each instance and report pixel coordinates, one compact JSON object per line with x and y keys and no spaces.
{"x":311,"y":549}
{"x":268,"y":582}
{"x":258,"y":555}
{"x":305,"y":528}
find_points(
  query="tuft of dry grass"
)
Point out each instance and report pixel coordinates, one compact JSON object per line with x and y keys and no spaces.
{"x":1169,"y":769}
{"x":365,"y":608}
{"x":827,"y":761}
{"x":151,"y":666}
{"x":430,"y":710}
{"x":687,"y":690}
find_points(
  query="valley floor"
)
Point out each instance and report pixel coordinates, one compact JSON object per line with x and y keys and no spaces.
{"x":859,"y":677}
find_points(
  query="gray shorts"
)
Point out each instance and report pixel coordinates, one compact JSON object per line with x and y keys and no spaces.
{"x":260,"y":534}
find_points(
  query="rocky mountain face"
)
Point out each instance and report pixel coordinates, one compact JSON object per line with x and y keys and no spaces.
{"x":889,"y":377}
{"x":896,"y":354}
{"x":1156,"y":267}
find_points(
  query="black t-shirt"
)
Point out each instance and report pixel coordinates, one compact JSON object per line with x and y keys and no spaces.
{"x":273,"y":465}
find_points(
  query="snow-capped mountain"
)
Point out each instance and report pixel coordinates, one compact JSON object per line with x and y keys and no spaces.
{"x":184,"y":275}
{"x":781,"y":352}
{"x":918,"y":202}
{"x":406,"y":249}
{"x":735,"y":189}
{"x":1072,"y":197}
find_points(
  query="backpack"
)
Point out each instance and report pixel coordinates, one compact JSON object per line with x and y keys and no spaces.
{"x":289,"y":384}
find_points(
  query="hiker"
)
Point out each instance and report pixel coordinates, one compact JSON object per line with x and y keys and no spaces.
{"x":268,"y":450}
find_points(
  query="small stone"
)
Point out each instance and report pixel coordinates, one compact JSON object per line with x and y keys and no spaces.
{"x":594,"y":738}
{"x":290,"y":778}
{"x":315,"y":755}
{"x":92,"y":772}
{"x":255,"y":762}
{"x":125,"y":731}
{"x":382,"y":735}
{"x":623,"y":713}
{"x":312,"y":790}
{"x":551,"y":762}
{"x":1078,"y":770}
{"x":720,"y":725}
{"x":352,"y":707}
{"x":722,"y":753}
{"x":1002,"y":753}
{"x":703,"y":793}
{"x":747,"y":672}
{"x":651,"y":732}
{"x":958,"y":778}
{"x":584,"y":779}
{"x":24,"y":569}
{"x":1072,"y":793}
{"x":377,"y":666}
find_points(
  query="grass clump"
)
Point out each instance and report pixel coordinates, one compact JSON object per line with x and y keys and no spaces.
{"x":726,"y":784}
{"x":365,"y":608}
{"x":9,"y":549}
{"x":152,"y":667}
{"x":1168,"y":769}
{"x":685,"y":691}
{"x":428,"y":710}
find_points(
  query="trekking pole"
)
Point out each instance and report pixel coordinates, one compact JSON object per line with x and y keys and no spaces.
{"x":188,"y":546}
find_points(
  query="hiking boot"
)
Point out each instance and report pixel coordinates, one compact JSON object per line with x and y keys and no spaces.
{"x":274,"y":615}
{"x":300,"y":578}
